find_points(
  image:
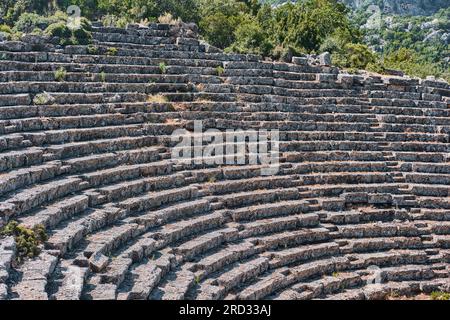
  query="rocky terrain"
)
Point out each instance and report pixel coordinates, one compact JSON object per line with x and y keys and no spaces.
{"x":401,"y":7}
{"x":359,"y":208}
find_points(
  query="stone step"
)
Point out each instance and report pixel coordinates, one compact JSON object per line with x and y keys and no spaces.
{"x":55,"y":213}
{"x":240,"y":273}
{"x":282,"y":208}
{"x":79,"y":149}
{"x":290,"y":238}
{"x":172,"y":212}
{"x":32,"y":285}
{"x":303,"y":253}
{"x":30,"y":198}
{"x":275,"y":225}
{"x":157,"y":199}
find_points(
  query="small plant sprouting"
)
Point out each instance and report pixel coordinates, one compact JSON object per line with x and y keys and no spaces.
{"x":212,"y":179}
{"x":163,"y":67}
{"x":197,"y":279}
{"x":335,"y":274}
{"x":92,"y":49}
{"x":43,"y":98}
{"x":111,"y":51}
{"x":102,"y":76}
{"x":27,"y":240}
{"x":220,"y":70}
{"x":60,"y":74}
{"x":438,"y":295}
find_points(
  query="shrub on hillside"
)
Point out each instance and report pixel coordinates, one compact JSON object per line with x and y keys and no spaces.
{"x":27,"y":22}
{"x":251,"y":38}
{"x":83,"y":36}
{"x":410,"y":62}
{"x":58,"y":29}
{"x":111,"y":20}
{"x":354,"y":56}
{"x":6,"y":29}
{"x":67,"y":36}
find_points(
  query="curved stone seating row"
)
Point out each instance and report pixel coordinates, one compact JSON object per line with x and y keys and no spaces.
{"x":363,"y":179}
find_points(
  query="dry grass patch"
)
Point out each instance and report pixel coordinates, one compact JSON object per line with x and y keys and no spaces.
{"x":167,"y":18}
{"x":158,"y":98}
{"x":180,"y":106}
{"x":173,"y":122}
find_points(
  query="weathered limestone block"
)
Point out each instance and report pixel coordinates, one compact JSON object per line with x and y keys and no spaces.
{"x":145,"y":277}
{"x":242,"y":273}
{"x":109,"y":239}
{"x":34,"y":277}
{"x":393,"y":257}
{"x":377,"y":244}
{"x":98,"y":262}
{"x":407,"y":273}
{"x":116,"y":272}
{"x":17,"y":46}
{"x":379,"y":230}
{"x":3,"y":291}
{"x":303,"y":253}
{"x":158,"y":199}
{"x":317,"y":268}
{"x":57,"y":212}
{"x":325,"y":59}
{"x":376,"y":292}
{"x":300,"y":60}
{"x":72,"y":284}
{"x":292,"y":238}
{"x":93,"y":166}
{"x":142,"y":248}
{"x":353,"y":294}
{"x":177,"y":289}
{"x":230,"y":254}
{"x":103,"y":292}
{"x":264,"y":287}
{"x":7,"y":255}
{"x":194,"y":247}
{"x":279,"y":224}
{"x":283,"y":208}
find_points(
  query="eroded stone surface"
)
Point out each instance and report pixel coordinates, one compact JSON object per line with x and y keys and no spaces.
{"x":359,"y":208}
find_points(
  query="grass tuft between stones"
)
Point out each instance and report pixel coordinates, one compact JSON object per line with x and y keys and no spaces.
{"x":437,"y":295}
{"x":60,"y":74}
{"x":27,"y":240}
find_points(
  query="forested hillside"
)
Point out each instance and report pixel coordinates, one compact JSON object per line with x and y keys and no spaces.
{"x":403,"y":7}
{"x":363,"y":38}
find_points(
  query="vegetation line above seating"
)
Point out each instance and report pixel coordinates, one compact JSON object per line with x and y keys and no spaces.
{"x":252,"y":26}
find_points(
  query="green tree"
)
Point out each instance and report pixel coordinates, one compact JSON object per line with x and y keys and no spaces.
{"x":136,"y":10}
{"x":411,"y":63}
{"x":220,"y":19}
{"x":250,"y":37}
{"x":306,"y":24}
